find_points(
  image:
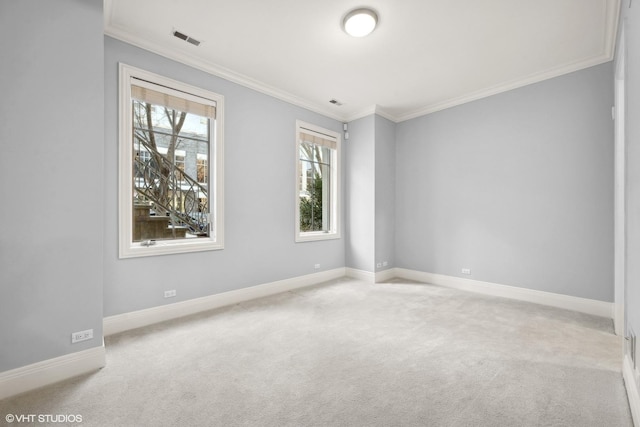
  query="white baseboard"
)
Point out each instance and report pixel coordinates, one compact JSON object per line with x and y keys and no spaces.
{"x":40,"y":374}
{"x":385,"y":275}
{"x":366,"y":276}
{"x":618,"y":319}
{"x":137,"y":319}
{"x":369,"y":277}
{"x":582,"y":305}
{"x":633,"y":389}
{"x":43,"y":373}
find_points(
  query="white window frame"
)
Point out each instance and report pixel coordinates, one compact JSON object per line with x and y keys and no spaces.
{"x":334,"y":227}
{"x":215,"y":241}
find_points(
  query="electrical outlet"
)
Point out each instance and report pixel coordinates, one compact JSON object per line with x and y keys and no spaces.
{"x":385,"y":263}
{"x":316,"y":266}
{"x":81,"y":336}
{"x":170,"y":294}
{"x":378,"y":265}
{"x":466,"y":271}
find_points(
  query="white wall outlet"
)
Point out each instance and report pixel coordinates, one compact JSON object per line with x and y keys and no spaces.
{"x":81,"y":336}
{"x":466,"y":271}
{"x":316,"y":266}
{"x":385,"y":263}
{"x":170,"y":294}
{"x":378,"y":265}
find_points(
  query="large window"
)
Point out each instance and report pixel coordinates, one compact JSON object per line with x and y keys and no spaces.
{"x":170,"y":166}
{"x":317,"y":154}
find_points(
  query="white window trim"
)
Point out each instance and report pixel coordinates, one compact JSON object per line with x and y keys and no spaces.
{"x":334,"y":232}
{"x":127,"y":248}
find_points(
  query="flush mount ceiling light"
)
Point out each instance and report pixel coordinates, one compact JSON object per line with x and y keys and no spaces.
{"x":360,"y":22}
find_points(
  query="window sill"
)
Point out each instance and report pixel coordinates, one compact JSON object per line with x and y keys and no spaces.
{"x":168,"y":247}
{"x":316,"y":235}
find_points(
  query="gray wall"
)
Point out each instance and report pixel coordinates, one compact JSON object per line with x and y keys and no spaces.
{"x":632,"y":17}
{"x":370,"y":172}
{"x":360,"y":194}
{"x":385,"y":199}
{"x":518,"y":187}
{"x":51,"y":178}
{"x":259,"y":198}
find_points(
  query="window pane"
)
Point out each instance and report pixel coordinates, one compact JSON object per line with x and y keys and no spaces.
{"x":317,"y":201}
{"x":306,"y":151}
{"x":203,"y":169}
{"x":322,"y":154}
{"x":170,"y":173}
{"x":170,"y":163}
{"x":311,"y":204}
{"x":315,"y":197}
{"x":325,"y":189}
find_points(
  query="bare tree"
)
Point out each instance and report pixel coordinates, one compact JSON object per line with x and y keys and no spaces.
{"x":145,"y":132}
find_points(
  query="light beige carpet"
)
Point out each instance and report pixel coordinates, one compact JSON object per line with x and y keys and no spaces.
{"x":348,"y":353}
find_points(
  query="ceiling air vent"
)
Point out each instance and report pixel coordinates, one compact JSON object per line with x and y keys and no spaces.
{"x":186,"y":38}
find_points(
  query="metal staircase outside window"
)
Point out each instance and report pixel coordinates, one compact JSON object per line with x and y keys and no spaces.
{"x":170,"y":190}
{"x":170,"y":180}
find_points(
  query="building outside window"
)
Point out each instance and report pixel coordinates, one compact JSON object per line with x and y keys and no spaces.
{"x":170,"y":132}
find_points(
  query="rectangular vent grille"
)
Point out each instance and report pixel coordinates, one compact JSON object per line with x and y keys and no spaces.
{"x":186,"y":38}
{"x":179,"y":35}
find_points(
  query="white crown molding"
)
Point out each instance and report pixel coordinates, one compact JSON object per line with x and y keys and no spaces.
{"x":361,"y":114}
{"x":567,"y":302}
{"x":214,"y":69}
{"x":40,"y":374}
{"x":611,"y":13}
{"x":515,"y":84}
{"x":136,"y":319}
{"x":382,"y":113}
{"x":374,"y":109}
{"x":632,"y":386}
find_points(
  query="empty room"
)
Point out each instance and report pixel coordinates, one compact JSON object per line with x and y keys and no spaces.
{"x":320,"y":213}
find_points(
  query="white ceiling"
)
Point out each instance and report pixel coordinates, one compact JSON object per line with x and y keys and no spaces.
{"x":425,"y":55}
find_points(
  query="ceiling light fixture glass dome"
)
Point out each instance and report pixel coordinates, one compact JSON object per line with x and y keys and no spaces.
{"x":360,"y":22}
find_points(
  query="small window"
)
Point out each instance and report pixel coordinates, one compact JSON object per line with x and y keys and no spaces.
{"x":317,"y":210}
{"x":170,"y":141}
{"x":203,"y":166}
